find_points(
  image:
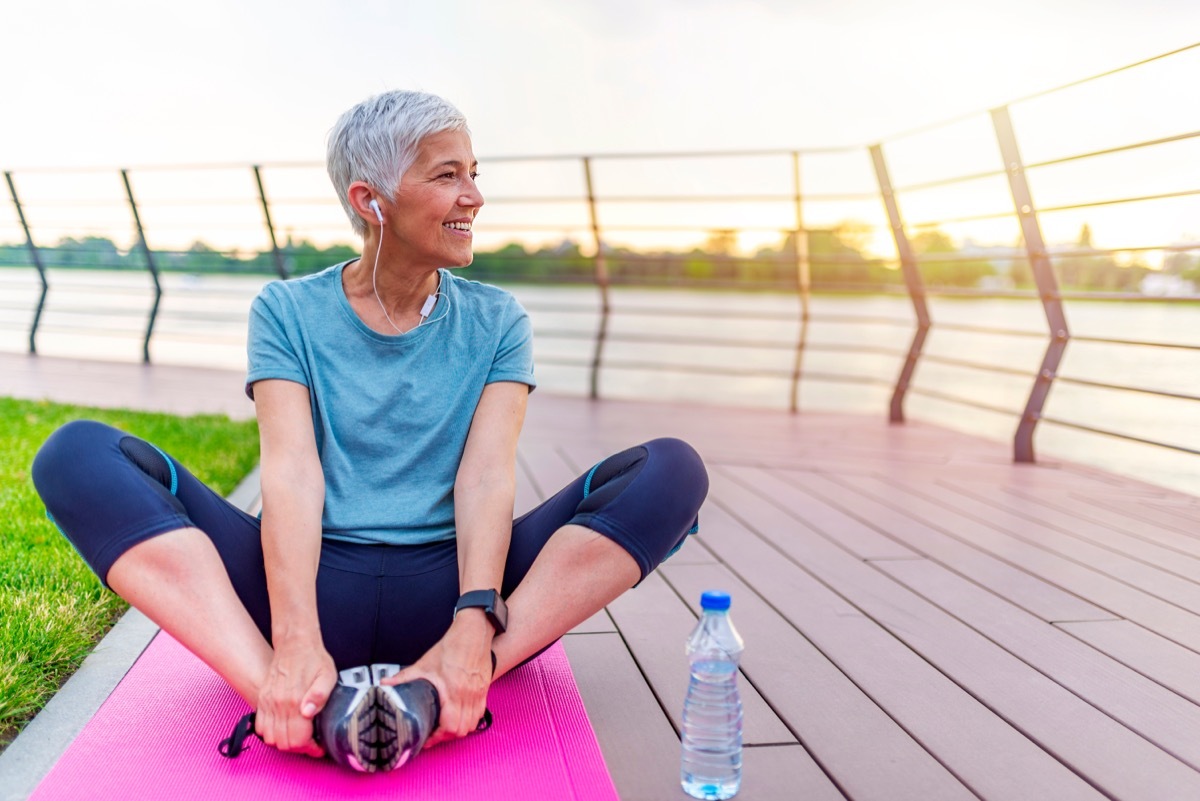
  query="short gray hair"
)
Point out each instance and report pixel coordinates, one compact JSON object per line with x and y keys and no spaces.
{"x":377,"y":141}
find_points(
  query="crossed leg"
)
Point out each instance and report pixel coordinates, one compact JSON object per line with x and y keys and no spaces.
{"x":193,"y":564}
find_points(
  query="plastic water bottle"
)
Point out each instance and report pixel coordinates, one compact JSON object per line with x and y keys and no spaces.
{"x":712,"y":712}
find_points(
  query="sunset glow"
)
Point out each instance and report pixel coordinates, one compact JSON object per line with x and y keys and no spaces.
{"x":136,"y":84}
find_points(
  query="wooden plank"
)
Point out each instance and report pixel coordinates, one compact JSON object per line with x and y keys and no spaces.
{"x":1167,"y":575}
{"x":693,"y":551}
{"x":1046,"y":475}
{"x":970,"y":740}
{"x":1038,"y":596}
{"x":849,"y":532}
{"x":638,"y":743}
{"x":1185,"y":507}
{"x":1073,"y":518}
{"x":1146,"y":513}
{"x":861,"y":748}
{"x":1093,"y":745}
{"x":1120,"y":598}
{"x":1114,"y":518}
{"x":1153,"y":656}
{"x":784,"y":773}
{"x":655,"y":625}
{"x":546,"y":469}
{"x":975,"y":471}
{"x":1151,"y":710}
{"x":751,"y":434}
{"x":529,"y":494}
{"x":596,"y":624}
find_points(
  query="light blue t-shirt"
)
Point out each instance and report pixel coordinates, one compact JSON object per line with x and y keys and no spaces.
{"x":390,"y":413}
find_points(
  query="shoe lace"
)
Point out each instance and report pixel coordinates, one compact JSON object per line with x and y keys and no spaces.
{"x":236,"y":743}
{"x":485,"y":722}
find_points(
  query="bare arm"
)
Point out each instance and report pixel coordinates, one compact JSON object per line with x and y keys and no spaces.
{"x":486,"y":485}
{"x":302,"y":673}
{"x":460,"y":664}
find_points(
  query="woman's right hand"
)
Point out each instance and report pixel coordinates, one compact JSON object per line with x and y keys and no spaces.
{"x":298,"y":683}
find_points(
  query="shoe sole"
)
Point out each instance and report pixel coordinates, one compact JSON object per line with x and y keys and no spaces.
{"x":369,"y":733}
{"x":383,"y":742}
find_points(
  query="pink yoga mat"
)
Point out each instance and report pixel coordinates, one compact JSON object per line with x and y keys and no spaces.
{"x":156,"y":737}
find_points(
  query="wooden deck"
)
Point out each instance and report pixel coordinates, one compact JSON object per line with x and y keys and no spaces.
{"x":923,"y":619}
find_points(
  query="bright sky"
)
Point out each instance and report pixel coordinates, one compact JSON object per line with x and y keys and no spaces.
{"x":143,"y":82}
{"x":107,"y":82}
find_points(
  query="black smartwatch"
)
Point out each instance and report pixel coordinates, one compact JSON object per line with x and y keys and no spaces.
{"x":490,"y":602}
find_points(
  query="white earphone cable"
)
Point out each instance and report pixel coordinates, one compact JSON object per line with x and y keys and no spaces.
{"x":428,"y":304}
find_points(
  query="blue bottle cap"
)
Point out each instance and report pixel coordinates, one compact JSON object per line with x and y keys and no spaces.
{"x":714,"y":599}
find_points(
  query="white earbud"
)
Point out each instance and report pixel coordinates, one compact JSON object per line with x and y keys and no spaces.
{"x":374,"y":204}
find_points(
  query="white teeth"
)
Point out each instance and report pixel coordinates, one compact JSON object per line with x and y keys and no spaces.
{"x":458,"y":226}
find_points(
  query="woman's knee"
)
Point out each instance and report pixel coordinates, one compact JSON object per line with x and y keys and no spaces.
{"x":93,"y":477}
{"x":59,"y":464}
{"x":650,"y":504}
{"x":678,"y":473}
{"x":680,"y":462}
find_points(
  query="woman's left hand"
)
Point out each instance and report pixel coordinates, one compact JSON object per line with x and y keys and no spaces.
{"x":460,"y":667}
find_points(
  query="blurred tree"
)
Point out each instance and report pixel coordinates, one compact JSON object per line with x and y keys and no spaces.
{"x":1080,"y":270}
{"x":721,"y":242}
{"x":90,"y":251}
{"x":946,"y":272}
{"x":1185,"y":265}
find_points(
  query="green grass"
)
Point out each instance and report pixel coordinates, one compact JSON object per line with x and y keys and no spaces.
{"x":53,"y":610}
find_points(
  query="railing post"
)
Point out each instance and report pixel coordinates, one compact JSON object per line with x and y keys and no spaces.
{"x":601,"y":277}
{"x":1043,"y":276}
{"x":280,"y":267}
{"x":912,"y":280}
{"x":803,"y":281}
{"x":34,"y":254}
{"x":137,"y":220}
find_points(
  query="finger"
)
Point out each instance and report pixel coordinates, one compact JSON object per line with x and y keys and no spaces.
{"x":410,"y":673}
{"x":437,"y":738}
{"x":470,"y":710}
{"x":394,"y":679}
{"x":397,"y":678}
{"x":317,"y":696}
{"x":299,"y":733}
{"x":264,"y":724}
{"x":458,"y":726}
{"x":447,"y":720}
{"x":303,"y":742}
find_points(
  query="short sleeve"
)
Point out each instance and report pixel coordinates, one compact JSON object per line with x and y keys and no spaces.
{"x":514,"y":355}
{"x":272,"y":346}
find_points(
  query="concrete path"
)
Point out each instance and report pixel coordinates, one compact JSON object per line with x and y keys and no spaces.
{"x":156,"y":388}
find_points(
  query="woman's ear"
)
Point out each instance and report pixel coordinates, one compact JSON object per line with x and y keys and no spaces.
{"x":362,"y":196}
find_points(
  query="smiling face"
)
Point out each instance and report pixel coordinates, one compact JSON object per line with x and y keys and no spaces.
{"x":435,"y":207}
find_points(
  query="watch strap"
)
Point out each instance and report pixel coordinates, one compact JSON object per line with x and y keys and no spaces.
{"x":490,"y":602}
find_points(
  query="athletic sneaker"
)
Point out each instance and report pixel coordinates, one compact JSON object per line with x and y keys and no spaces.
{"x":366,"y":726}
{"x":347,"y":727}
{"x":409,"y":710}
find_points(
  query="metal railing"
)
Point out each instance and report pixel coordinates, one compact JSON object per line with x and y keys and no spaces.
{"x":583,"y":208}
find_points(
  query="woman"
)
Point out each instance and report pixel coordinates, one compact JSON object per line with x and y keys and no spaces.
{"x":390,"y":394}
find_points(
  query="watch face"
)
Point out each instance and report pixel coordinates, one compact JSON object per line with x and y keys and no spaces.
{"x":500,"y":613}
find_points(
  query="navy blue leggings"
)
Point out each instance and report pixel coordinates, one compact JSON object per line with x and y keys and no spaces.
{"x":108,"y":491}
